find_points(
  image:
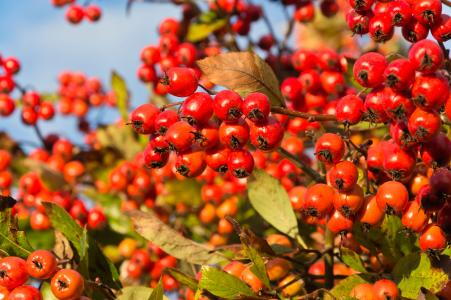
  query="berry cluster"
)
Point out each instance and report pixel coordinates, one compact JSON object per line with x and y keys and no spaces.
{"x":415,"y":17}
{"x":41,"y":265}
{"x":76,"y":13}
{"x":10,"y":66}
{"x":78,"y":93}
{"x":305,"y":9}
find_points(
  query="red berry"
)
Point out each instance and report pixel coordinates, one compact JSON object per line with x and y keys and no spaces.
{"x":349,"y":203}
{"x":343,"y":176}
{"x":392,"y":196}
{"x":291,"y":89}
{"x":318,"y":200}
{"x":361,"y":5}
{"x":75,"y":14}
{"x":381,"y":28}
{"x":217,"y":159}
{"x":169,"y":26}
{"x":29,"y":115}
{"x":426,"y":56}
{"x":150,"y":55}
{"x":374,"y":106}
{"x":329,"y":148}
{"x":386,"y":289}
{"x":266,"y":136}
{"x":197,"y":108}
{"x":240,"y":163}
{"x":339,"y":223}
{"x":398,"y":106}
{"x":427,"y":12}
{"x":96,"y":219}
{"x":227,"y":106}
{"x":234,"y":135}
{"x":93,"y":13}
{"x":400,"y":12}
{"x":164,"y":120}
{"x":256,"y":107}
{"x":67,"y":284}
{"x":332,"y":82}
{"x":7,"y":105}
{"x":12,"y":272}
{"x":155,"y":157}
{"x":430,"y":91}
{"x":146,"y":73}
{"x":182,"y":82}
{"x":25,"y":292}
{"x":424,"y":125}
{"x":303,"y":60}
{"x":186,"y":54}
{"x":414,"y":31}
{"x":397,"y":163}
{"x":358,"y":23}
{"x":143,"y":117}
{"x":369,"y":69}
{"x":41,"y":264}
{"x":7,"y":84}
{"x":180,"y":135}
{"x":305,"y":12}
{"x":432,"y":238}
{"x":11,"y":65}
{"x":349,"y":109}
{"x":399,"y":74}
{"x":441,"y":30}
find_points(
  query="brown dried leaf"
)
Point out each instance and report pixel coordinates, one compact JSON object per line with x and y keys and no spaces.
{"x":62,"y":247}
{"x":154,"y":230}
{"x":243,"y":72}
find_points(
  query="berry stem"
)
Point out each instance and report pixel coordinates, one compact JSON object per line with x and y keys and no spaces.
{"x":40,"y":136}
{"x":169,"y":105}
{"x":210,"y":92}
{"x":290,"y":21}
{"x":304,"y":167}
{"x":310,"y":117}
{"x":447,"y":2}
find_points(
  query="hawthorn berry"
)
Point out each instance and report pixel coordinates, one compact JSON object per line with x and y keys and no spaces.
{"x":343,"y":176}
{"x":358,"y":23}
{"x":339,"y":223}
{"x":399,"y":74}
{"x":143,"y":117}
{"x":369,"y":69}
{"x":191,"y":163}
{"x":266,"y":136}
{"x":381,"y":28}
{"x":67,"y":284}
{"x":349,"y":109}
{"x":318,"y":200}
{"x":329,"y":148}
{"x":426,"y":56}
{"x":432,"y":238}
{"x":25,"y":292}
{"x":392,"y":196}
{"x":41,"y":264}
{"x":256,"y":107}
{"x":182,"y":82}
{"x":197,"y":109}
{"x":240,"y":163}
{"x":430,"y":91}
{"x":227,"y":106}
{"x":414,"y":31}
{"x":234,"y":135}
{"x":13,"y":272}
{"x":164,"y":120}
{"x":75,"y":14}
{"x":427,"y":12}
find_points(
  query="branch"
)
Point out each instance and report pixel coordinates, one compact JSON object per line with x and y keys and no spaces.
{"x":447,"y":2}
{"x":40,"y":136}
{"x":294,"y":113}
{"x":304,"y":167}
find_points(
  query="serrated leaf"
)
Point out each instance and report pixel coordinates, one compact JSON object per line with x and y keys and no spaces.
{"x":50,"y":178}
{"x":343,"y":289}
{"x":183,"y":278}
{"x":13,"y":242}
{"x":154,"y":230}
{"x":271,"y":201}
{"x":94,"y":262}
{"x":243,"y":72}
{"x":258,"y":265}
{"x":414,"y":271}
{"x":120,"y":90}
{"x":181,"y":191}
{"x":200,"y":31}
{"x":222,"y":284}
{"x":352,"y":260}
{"x":157,"y":293}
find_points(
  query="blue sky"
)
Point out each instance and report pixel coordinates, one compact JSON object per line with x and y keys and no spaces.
{"x":37,"y":33}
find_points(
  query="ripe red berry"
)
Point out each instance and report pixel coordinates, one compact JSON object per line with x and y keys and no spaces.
{"x":227,"y":106}
{"x":305,"y":12}
{"x":398,"y":106}
{"x":150,"y":55}
{"x":349,"y":109}
{"x":234,"y":135}
{"x":399,"y":74}
{"x":146,"y":73}
{"x":329,"y":148}
{"x":143,"y":117}
{"x":361,"y":5}
{"x":93,"y":13}
{"x":29,"y":115}
{"x":182,"y":82}
{"x":430,"y":91}
{"x":374,"y":106}
{"x":164,"y":120}
{"x":343,"y":176}
{"x":426,"y":56}
{"x":191,"y":163}
{"x":400,"y":12}
{"x":414,"y":31}
{"x":370,"y":213}
{"x":291,"y":89}
{"x":392,"y":196}
{"x":256,"y":107}
{"x":397,"y":163}
{"x":7,"y":84}
{"x":381,"y":28}
{"x":217,"y":159}
{"x":25,"y":292}
{"x":424,"y":125}
{"x":46,"y":110}
{"x":441,"y":30}
{"x":427,"y":12}
{"x":266,"y":136}
{"x":358,"y":23}
{"x":180,"y":135}
{"x":7,"y":105}
{"x":41,"y":264}
{"x":369,"y":69}
{"x":414,"y":217}
{"x":386,"y":289}
{"x":318,"y":200}
{"x":303,"y":60}
{"x":208,"y":136}
{"x":75,"y":14}
{"x":96,"y":219}
{"x":11,"y":65}
{"x":169,"y":26}
{"x":339,"y":223}
{"x":240,"y":163}
{"x":186,"y":54}
{"x":349,"y":203}
{"x":197,"y":108}
{"x":333,"y":82}
{"x":67,"y":284}
{"x":432,"y":238}
{"x":13,"y":272}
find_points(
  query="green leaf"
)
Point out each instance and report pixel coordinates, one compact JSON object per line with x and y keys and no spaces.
{"x":414,"y":271}
{"x":12,"y":241}
{"x":271,"y":201}
{"x":94,"y":263}
{"x":447,"y":251}
{"x":258,"y":265}
{"x":120,"y":90}
{"x":200,"y":31}
{"x":181,"y":191}
{"x":183,"y":278}
{"x":136,"y":293}
{"x":344,"y":288}
{"x":46,"y":291}
{"x":352,"y":260}
{"x":121,"y":138}
{"x":157,"y":293}
{"x":222,"y":284}
{"x":149,"y":226}
{"x":244,"y":73}
{"x":42,"y":239}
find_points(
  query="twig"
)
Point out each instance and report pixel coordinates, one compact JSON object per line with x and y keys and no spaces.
{"x":40,"y":136}
{"x":271,"y":30}
{"x":210,"y":92}
{"x":289,"y":31}
{"x":304,"y":167}
{"x":310,"y":117}
{"x":109,"y":291}
{"x":447,"y":2}
{"x":166,"y":106}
